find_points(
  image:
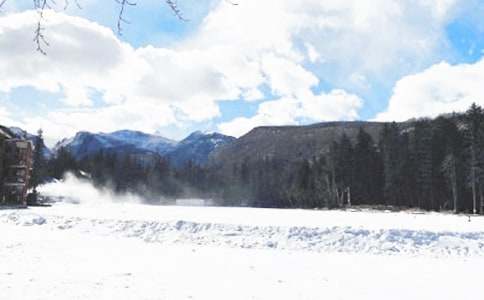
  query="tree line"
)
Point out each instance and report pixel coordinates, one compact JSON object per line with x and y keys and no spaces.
{"x":431,"y":164}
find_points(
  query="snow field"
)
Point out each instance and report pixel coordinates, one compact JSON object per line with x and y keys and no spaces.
{"x":131,"y":251}
{"x":38,"y":263}
{"x":316,"y":231}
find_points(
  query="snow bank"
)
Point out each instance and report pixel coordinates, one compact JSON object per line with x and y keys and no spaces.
{"x":339,"y":237}
{"x":269,"y":217}
{"x":24,"y":219}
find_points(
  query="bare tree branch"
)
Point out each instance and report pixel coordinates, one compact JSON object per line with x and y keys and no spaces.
{"x":42,"y":5}
{"x":67,"y":3}
{"x":121,"y":20}
{"x":39,"y":37}
{"x":174,"y":7}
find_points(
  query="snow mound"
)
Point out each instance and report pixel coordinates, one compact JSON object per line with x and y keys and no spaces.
{"x":23,"y":219}
{"x":343,"y":239}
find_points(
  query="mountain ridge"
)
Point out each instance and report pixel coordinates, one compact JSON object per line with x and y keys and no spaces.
{"x":289,"y":143}
{"x":196,"y":147}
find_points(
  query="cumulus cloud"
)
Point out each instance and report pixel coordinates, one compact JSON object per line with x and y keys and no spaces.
{"x":4,"y":114}
{"x":336,"y":105}
{"x":82,"y":54}
{"x":287,"y":48}
{"x":348,"y":43}
{"x":442,"y":88}
{"x":141,"y":88}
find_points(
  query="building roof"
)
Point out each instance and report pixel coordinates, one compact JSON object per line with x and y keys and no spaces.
{"x":6,"y":133}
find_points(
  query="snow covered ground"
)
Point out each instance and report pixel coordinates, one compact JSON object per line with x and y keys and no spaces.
{"x":43,"y":264}
{"x":317,"y":231}
{"x":132,"y":251}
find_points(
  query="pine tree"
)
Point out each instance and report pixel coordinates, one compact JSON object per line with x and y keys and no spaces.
{"x":345,"y":169}
{"x":447,"y":161}
{"x":423,"y":159}
{"x":368,"y":171}
{"x":449,"y":168}
{"x":39,"y":166}
{"x":391,"y":156}
{"x":407,"y":182}
{"x":474,"y":119}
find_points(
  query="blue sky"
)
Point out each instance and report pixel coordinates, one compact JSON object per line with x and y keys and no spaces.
{"x":231,"y":68}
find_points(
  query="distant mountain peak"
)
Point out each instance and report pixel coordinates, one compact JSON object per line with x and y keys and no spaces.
{"x":193,"y":137}
{"x":86,"y":143}
{"x":196,"y":147}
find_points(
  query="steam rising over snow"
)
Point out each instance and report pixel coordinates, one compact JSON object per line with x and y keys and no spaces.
{"x":82,"y":191}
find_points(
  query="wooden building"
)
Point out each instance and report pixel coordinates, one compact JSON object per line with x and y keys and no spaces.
{"x":16,"y":161}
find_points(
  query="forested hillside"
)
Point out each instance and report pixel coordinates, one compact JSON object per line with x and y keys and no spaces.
{"x":429,"y":164}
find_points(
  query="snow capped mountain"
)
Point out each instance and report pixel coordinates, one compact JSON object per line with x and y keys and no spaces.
{"x":125,"y":141}
{"x":196,"y":147}
{"x":150,"y":142}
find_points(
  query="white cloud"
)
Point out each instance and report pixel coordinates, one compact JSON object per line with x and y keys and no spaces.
{"x":351,"y":40}
{"x":236,"y":51}
{"x":4,"y":113}
{"x":287,"y":78}
{"x":82,"y":54}
{"x":442,"y":88}
{"x":143,"y":88}
{"x":76,"y":96}
{"x":377,"y":38}
{"x":137,"y":116}
{"x":336,"y":105}
{"x":312,"y":54}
